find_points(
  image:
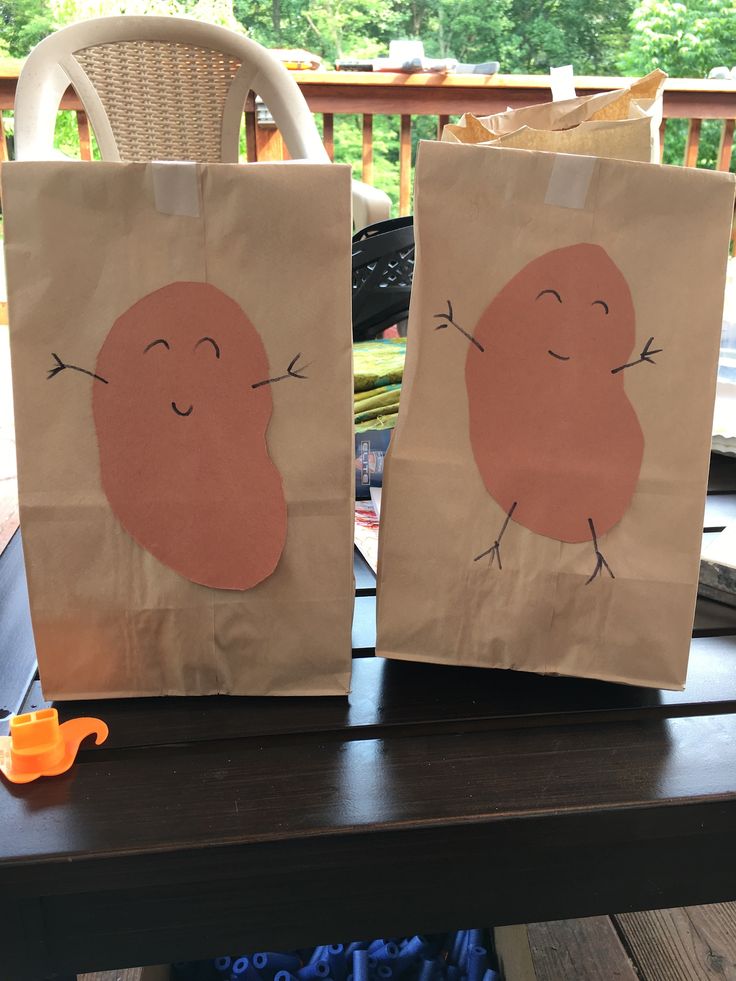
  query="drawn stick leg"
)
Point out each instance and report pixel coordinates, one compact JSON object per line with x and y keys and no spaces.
{"x":495,"y":550}
{"x":600,"y":562}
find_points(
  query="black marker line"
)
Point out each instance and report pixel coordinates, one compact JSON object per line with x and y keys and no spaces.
{"x":644,"y":356}
{"x":212,"y":341}
{"x":495,"y":549}
{"x":592,"y":531}
{"x":60,"y":366}
{"x":553,"y":292}
{"x":600,"y":563}
{"x":159,"y":340}
{"x":289,"y":374}
{"x":448,"y":316}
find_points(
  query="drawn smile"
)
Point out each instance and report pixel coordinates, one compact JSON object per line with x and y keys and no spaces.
{"x":560,"y":357}
{"x":179,"y":412}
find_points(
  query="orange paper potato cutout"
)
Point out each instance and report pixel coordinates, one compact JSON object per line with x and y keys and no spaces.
{"x":553,"y":433}
{"x":181,"y":431}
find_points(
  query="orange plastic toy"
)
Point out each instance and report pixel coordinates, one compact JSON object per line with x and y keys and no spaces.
{"x":39,"y":747}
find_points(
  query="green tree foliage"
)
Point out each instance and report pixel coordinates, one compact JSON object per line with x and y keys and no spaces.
{"x":24,"y":23}
{"x":686,"y":40}
{"x":470,"y":30}
{"x":330,"y":28}
{"x":591,"y":35}
{"x":524,"y":36}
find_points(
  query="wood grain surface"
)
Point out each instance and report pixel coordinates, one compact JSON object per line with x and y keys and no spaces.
{"x":695,"y":944}
{"x":579,"y":950}
{"x":238,"y":792}
{"x":126,"y":974}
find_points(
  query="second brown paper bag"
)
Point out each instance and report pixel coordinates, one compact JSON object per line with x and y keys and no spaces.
{"x":182,"y":370}
{"x":543,"y":498}
{"x":622,"y":124}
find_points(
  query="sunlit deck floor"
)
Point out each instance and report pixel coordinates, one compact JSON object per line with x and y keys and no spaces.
{"x":692,"y":944}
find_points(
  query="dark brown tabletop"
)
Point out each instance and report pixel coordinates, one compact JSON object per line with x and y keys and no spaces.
{"x":433,"y":798}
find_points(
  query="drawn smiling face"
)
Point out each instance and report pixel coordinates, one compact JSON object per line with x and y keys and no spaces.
{"x":186,"y":351}
{"x":182,"y":436}
{"x":164,"y":343}
{"x":569,"y":308}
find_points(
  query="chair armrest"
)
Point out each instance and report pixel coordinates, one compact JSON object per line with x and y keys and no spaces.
{"x":369,"y":204}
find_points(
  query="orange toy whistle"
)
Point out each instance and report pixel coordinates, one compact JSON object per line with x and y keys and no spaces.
{"x":38,"y":746}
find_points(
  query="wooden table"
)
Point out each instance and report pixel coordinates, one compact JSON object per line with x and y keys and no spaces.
{"x":434,"y":798}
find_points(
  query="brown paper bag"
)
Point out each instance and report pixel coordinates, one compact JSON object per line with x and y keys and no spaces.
{"x":622,"y":124}
{"x":562,"y":350}
{"x":182,"y":376}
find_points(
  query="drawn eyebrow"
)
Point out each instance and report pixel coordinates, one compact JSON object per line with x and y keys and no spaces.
{"x":212,"y":341}
{"x":553,"y":292}
{"x":160,"y":340}
{"x":602,"y":303}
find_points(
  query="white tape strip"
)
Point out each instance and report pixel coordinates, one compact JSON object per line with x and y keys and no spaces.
{"x":176,"y":187}
{"x":562,"y":83}
{"x":569,"y":180}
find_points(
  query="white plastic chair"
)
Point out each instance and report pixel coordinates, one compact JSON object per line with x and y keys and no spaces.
{"x":166,"y":88}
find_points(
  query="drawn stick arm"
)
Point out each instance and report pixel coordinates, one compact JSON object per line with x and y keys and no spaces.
{"x":294,"y":370}
{"x":62,"y":366}
{"x":448,"y":317}
{"x":646,"y":355}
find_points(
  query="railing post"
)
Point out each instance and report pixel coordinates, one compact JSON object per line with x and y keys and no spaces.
{"x":85,"y":144}
{"x":3,"y":140}
{"x":693,"y":142}
{"x":328,"y":133}
{"x":405,"y":166}
{"x":269,"y":143}
{"x":367,"y":170}
{"x":726,"y":145}
{"x":662,"y":131}
{"x":3,"y":158}
{"x":251,"y":141}
{"x":442,"y":121}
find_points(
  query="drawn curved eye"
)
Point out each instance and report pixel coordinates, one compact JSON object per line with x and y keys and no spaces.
{"x":551,"y":293}
{"x":159,"y":340}
{"x":211,"y":341}
{"x":601,"y":303}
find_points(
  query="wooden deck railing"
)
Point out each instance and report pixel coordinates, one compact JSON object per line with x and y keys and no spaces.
{"x":408,"y":96}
